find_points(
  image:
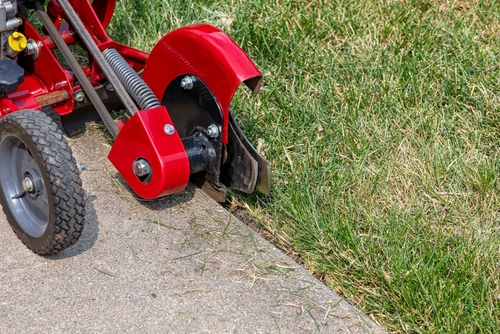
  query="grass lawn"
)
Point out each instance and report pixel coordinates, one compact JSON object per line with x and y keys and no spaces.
{"x":381,"y":121}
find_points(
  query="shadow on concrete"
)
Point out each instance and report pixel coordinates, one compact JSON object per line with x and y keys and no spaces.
{"x":89,"y":235}
{"x":162,"y":203}
{"x":91,"y":229}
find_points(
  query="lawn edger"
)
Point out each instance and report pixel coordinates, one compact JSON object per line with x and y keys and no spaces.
{"x":179,"y":127}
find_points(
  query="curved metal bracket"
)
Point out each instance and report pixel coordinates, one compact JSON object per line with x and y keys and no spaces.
{"x":208,"y":53}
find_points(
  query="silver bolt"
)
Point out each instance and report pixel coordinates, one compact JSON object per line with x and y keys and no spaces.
{"x":79,"y":96}
{"x":188,"y":82}
{"x":213,"y":130}
{"x":110,"y":88}
{"x":28,"y":184}
{"x":32,"y":49}
{"x":80,"y":167}
{"x":169,"y":129}
{"x":141,"y":167}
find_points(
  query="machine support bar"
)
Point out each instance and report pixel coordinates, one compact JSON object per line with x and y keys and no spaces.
{"x":94,"y":51}
{"x":80,"y":75}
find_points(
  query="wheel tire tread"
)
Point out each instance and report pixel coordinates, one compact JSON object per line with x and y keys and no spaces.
{"x":65,"y":183}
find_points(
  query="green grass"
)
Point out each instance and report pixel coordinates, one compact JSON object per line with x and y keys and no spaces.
{"x":381,"y":121}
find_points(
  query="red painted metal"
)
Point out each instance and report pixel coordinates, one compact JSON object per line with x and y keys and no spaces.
{"x":89,"y":17}
{"x":200,"y":50}
{"x":143,"y":136}
{"x":45,"y":74}
{"x":42,"y":76}
{"x":104,"y":10}
{"x":68,"y":36}
{"x":208,"y":53}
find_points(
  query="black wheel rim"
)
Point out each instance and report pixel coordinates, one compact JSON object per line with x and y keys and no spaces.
{"x":28,"y":205}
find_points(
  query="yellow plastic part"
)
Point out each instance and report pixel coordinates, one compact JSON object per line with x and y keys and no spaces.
{"x":17,"y":41}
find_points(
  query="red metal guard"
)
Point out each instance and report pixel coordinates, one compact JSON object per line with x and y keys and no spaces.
{"x":208,"y":53}
{"x":143,"y":136}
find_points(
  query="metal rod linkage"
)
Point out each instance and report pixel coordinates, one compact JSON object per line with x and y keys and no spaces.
{"x":73,"y":64}
{"x":94,"y":51}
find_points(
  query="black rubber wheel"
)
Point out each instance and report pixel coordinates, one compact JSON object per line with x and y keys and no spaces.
{"x":40,"y":188}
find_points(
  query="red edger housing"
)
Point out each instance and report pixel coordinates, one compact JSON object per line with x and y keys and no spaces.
{"x":178,"y":97}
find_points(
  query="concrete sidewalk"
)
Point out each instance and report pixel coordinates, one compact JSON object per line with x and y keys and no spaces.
{"x":181,"y":264}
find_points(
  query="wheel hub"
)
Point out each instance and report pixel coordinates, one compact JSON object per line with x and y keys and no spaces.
{"x":23,"y":187}
{"x":28,"y":185}
{"x":32,"y":183}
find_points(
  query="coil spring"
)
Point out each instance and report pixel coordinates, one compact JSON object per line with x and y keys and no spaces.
{"x":133,"y":83}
